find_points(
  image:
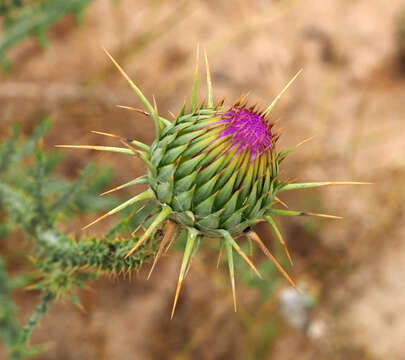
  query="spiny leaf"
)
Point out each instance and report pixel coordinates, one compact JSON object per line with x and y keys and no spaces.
{"x":30,"y":20}
{"x":9,"y":329}
{"x":299,"y":213}
{"x":318,"y":184}
{"x":38,"y":194}
{"x":253,"y":236}
{"x":279,"y":236}
{"x":165,"y":212}
{"x":18,"y":206}
{"x":210,"y":101}
{"x":229,"y":256}
{"x":100,"y":148}
{"x":192,"y":234}
{"x":228,"y":238}
{"x":140,"y":180}
{"x":167,"y":238}
{"x":148,"y":194}
{"x":274,"y":102}
{"x":284,"y":154}
{"x":158,"y":124}
{"x":8,"y":149}
{"x":139,"y":144}
{"x":195,"y":83}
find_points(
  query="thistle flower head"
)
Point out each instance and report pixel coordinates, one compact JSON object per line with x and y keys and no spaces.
{"x":214,"y":172}
{"x":216,"y":168}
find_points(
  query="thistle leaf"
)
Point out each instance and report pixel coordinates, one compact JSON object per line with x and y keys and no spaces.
{"x":228,"y":238}
{"x":298,"y":186}
{"x":229,"y":256}
{"x":148,"y":194}
{"x":164,"y":213}
{"x":279,"y":236}
{"x":139,"y":144}
{"x":274,"y":102}
{"x":299,"y":213}
{"x":144,"y":179}
{"x":195,"y":83}
{"x":192,"y":234}
{"x":169,"y":235}
{"x":210,"y":101}
{"x":253,"y":236}
{"x":100,"y":148}
{"x":158,"y":124}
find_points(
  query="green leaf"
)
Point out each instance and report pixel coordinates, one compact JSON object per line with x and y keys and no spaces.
{"x":159,"y":125}
{"x":38,"y":195}
{"x":8,"y":149}
{"x":138,"y":215}
{"x":298,"y":186}
{"x":210,"y":101}
{"x":195,"y":85}
{"x":9,"y":329}
{"x":18,"y":206}
{"x":229,"y":256}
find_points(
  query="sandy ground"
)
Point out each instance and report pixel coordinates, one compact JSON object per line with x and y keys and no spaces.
{"x":350,"y":96}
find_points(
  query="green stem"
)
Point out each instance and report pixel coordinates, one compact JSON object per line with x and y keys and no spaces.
{"x":40,"y":310}
{"x":102,"y":255}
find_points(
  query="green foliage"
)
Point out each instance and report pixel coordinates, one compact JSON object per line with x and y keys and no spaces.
{"x":24,"y":18}
{"x":8,"y":322}
{"x":35,"y":200}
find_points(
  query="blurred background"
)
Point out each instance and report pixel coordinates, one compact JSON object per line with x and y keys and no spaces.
{"x":350,"y":96}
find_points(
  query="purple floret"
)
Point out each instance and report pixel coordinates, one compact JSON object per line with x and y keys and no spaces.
{"x":249,"y":131}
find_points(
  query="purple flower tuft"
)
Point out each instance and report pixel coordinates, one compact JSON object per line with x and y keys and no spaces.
{"x":248,"y":131}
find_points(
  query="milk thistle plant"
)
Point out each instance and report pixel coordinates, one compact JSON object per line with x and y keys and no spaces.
{"x":213,"y":171}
